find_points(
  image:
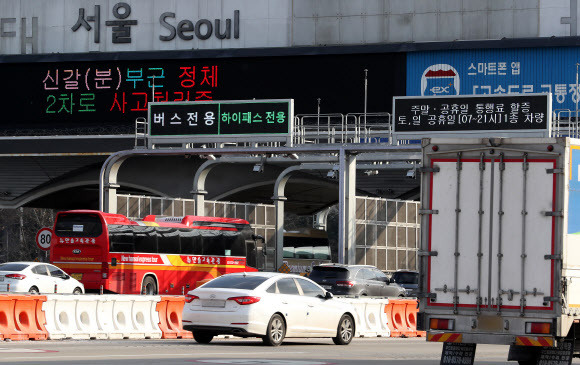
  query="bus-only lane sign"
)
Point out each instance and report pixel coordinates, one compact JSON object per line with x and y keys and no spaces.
{"x":218,"y":121}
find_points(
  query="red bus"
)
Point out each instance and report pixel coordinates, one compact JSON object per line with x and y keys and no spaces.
{"x":167,"y":255}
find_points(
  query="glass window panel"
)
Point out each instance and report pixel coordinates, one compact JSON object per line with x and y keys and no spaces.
{"x":287,"y":286}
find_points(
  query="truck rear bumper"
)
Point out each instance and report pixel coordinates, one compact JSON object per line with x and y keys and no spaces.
{"x":492,"y":339}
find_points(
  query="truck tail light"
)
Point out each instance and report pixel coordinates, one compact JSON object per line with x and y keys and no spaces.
{"x":441,"y":324}
{"x":245,"y":300}
{"x":190,"y":298}
{"x":538,"y":327}
{"x":346,"y":283}
{"x":16,"y":276}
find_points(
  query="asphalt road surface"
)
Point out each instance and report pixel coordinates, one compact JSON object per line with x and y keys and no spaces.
{"x":384,"y":351}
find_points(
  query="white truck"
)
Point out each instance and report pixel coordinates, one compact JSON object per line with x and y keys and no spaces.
{"x":500,"y":244}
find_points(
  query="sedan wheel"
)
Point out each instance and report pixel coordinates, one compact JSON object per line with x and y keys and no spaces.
{"x":202,"y":337}
{"x":345,"y":331}
{"x":276,"y":331}
{"x":33,"y":290}
{"x":77,"y":291}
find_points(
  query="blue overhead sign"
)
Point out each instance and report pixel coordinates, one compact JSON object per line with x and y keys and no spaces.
{"x":496,"y":71}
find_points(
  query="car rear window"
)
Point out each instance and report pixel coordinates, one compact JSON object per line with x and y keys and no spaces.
{"x":236,"y":282}
{"x":406,"y":277}
{"x":324,"y":272}
{"x":13,"y":267}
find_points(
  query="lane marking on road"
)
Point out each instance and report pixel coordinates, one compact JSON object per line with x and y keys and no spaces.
{"x":28,"y":351}
{"x":96,"y":357}
{"x":260,"y":361}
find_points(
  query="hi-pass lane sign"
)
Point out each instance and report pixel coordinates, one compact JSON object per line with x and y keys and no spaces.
{"x":476,"y":115}
{"x":221,"y":118}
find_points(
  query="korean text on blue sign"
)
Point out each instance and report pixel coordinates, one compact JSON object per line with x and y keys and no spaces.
{"x":496,"y":71}
{"x":220,"y":118}
{"x":474,"y":113}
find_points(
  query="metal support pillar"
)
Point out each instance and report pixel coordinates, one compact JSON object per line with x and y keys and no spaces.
{"x":199,"y":197}
{"x":110,"y":190}
{"x":279,"y":208}
{"x":347,"y":208}
{"x":108,"y":184}
{"x":321,"y":219}
{"x":279,"y":199}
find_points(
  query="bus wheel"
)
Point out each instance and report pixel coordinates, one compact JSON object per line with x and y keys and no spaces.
{"x":149,"y":286}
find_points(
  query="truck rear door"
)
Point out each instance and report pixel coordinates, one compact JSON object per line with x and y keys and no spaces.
{"x":491,"y":226}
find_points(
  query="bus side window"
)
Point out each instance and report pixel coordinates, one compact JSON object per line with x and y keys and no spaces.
{"x":213,"y":243}
{"x":251,"y":254}
{"x":191,"y":242}
{"x":121,"y":239}
{"x":168,"y":240}
{"x":235,"y":245}
{"x":145,"y":239}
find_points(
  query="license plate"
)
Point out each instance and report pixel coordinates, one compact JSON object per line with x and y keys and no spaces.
{"x":77,"y":276}
{"x":213,"y":303}
{"x":327,"y":287}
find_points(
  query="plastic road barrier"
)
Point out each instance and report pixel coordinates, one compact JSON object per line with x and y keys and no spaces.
{"x":21,"y":317}
{"x":101,"y":316}
{"x":402,"y":318}
{"x":170,"y":310}
{"x":370,"y":316}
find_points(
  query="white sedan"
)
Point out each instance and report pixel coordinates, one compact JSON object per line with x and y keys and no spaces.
{"x":37,"y":277}
{"x":272,"y":306}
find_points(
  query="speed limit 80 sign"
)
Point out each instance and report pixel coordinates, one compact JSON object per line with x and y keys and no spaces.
{"x":43,"y":238}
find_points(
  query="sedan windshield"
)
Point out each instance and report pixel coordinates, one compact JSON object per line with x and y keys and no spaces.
{"x":13,"y":267}
{"x":236,"y":282}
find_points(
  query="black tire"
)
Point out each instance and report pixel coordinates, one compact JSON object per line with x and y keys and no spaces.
{"x":149,"y":286}
{"x":275,"y":332}
{"x":527,"y":362}
{"x":202,"y":337}
{"x":77,"y":291}
{"x":33,"y":290}
{"x":344,"y":331}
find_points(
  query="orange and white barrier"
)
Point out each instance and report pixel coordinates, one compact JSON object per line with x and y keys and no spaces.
{"x":102,"y":316}
{"x":22,"y":318}
{"x":370,"y":317}
{"x":402,"y":318}
{"x":41,"y":317}
{"x":170,"y":309}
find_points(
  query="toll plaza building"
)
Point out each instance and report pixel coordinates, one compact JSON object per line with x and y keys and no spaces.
{"x":78,"y":77}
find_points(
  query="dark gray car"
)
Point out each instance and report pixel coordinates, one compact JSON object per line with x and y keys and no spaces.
{"x":355,"y":280}
{"x":409,"y":280}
